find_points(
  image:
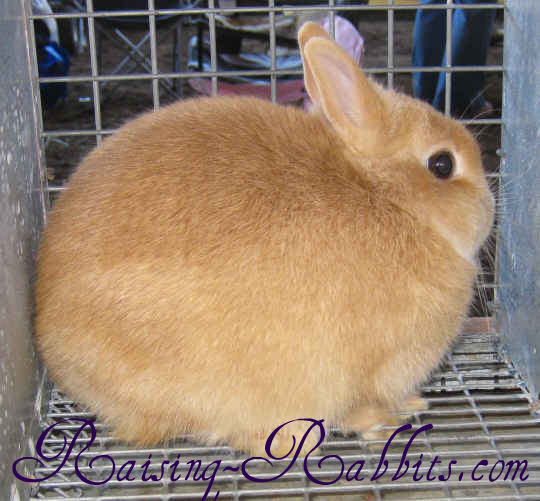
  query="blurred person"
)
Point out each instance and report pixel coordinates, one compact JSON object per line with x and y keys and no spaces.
{"x":471,"y":32}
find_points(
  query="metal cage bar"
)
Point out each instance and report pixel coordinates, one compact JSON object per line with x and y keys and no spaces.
{"x":479,"y":403}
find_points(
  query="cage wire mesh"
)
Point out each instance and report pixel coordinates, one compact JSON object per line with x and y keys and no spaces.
{"x":479,"y":410}
{"x":134,"y":56}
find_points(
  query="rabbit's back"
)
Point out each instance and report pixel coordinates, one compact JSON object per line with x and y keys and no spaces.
{"x":208,"y":175}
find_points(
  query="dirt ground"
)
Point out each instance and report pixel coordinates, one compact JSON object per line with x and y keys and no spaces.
{"x":120,"y":101}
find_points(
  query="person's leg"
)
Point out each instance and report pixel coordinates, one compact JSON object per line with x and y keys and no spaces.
{"x":471,"y":30}
{"x":428,"y":48}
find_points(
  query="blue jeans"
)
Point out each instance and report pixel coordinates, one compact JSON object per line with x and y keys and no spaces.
{"x":471,"y":31}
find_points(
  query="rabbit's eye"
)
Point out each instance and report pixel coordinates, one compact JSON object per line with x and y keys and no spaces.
{"x":441,"y":164}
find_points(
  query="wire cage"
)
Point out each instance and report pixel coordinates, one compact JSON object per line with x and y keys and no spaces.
{"x":480,"y":438}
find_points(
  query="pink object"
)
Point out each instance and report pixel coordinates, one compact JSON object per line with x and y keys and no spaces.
{"x":287,"y":92}
{"x":347,"y":36}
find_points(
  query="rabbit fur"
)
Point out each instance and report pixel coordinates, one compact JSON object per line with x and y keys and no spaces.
{"x":225,"y":265}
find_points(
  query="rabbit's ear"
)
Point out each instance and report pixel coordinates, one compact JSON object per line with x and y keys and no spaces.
{"x":336,"y":83}
{"x":308,"y":31}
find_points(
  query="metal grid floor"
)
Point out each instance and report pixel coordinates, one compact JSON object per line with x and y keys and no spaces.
{"x":479,"y":409}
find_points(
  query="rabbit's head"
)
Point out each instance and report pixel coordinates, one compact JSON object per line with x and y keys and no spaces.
{"x":428,"y":163}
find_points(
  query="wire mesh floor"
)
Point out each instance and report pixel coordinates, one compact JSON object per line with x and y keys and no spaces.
{"x":482,"y":425}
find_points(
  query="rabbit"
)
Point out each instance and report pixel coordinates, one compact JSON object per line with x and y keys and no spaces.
{"x":226,"y":265}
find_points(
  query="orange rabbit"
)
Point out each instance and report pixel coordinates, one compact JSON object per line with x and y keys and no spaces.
{"x":225,"y":265}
